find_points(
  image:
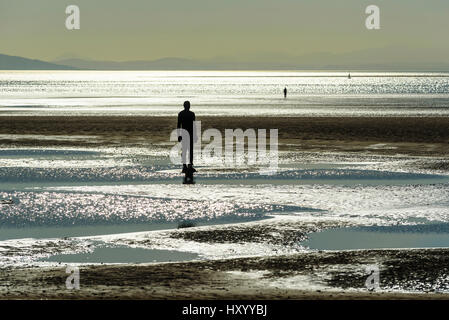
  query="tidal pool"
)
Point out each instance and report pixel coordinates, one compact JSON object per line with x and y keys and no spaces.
{"x":433,"y":235}
{"x":122,"y":255}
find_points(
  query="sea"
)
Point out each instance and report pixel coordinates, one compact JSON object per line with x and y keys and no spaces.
{"x":230,"y":93}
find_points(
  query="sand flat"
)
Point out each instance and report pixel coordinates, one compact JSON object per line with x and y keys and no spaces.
{"x":391,"y":135}
{"x":313,"y":275}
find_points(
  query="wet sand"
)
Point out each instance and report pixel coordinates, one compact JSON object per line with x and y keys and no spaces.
{"x":403,"y":273}
{"x":343,"y":273}
{"x":415,"y":136}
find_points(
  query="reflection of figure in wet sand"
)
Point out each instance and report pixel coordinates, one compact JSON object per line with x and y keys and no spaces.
{"x":285,"y":93}
{"x":186,"y":121}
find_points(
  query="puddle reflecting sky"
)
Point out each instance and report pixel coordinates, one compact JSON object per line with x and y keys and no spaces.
{"x":122,"y":255}
{"x":381,"y":237}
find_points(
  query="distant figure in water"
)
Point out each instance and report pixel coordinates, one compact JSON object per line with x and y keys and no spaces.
{"x":285,"y":93}
{"x":186,"y":120}
{"x":349,"y":75}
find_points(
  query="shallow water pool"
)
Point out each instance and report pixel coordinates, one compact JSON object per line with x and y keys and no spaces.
{"x":122,"y":255}
{"x":434,"y":235}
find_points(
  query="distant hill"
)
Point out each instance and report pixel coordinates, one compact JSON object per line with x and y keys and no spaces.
{"x":374,"y":60}
{"x":19,"y":63}
{"x":318,"y":61}
{"x":160,"y":64}
{"x":177,"y":64}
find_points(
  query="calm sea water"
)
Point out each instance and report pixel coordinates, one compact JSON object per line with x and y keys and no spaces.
{"x":161,"y":93}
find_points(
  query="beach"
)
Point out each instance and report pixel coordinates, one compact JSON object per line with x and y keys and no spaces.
{"x":266,"y":278}
{"x":406,"y":273}
{"x":235,"y":157}
{"x":362,"y":182}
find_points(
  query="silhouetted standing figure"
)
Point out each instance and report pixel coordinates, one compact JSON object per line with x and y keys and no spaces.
{"x":285,"y":93}
{"x":186,"y":121}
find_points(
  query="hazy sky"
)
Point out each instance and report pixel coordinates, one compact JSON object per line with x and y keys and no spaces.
{"x":243,"y":29}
